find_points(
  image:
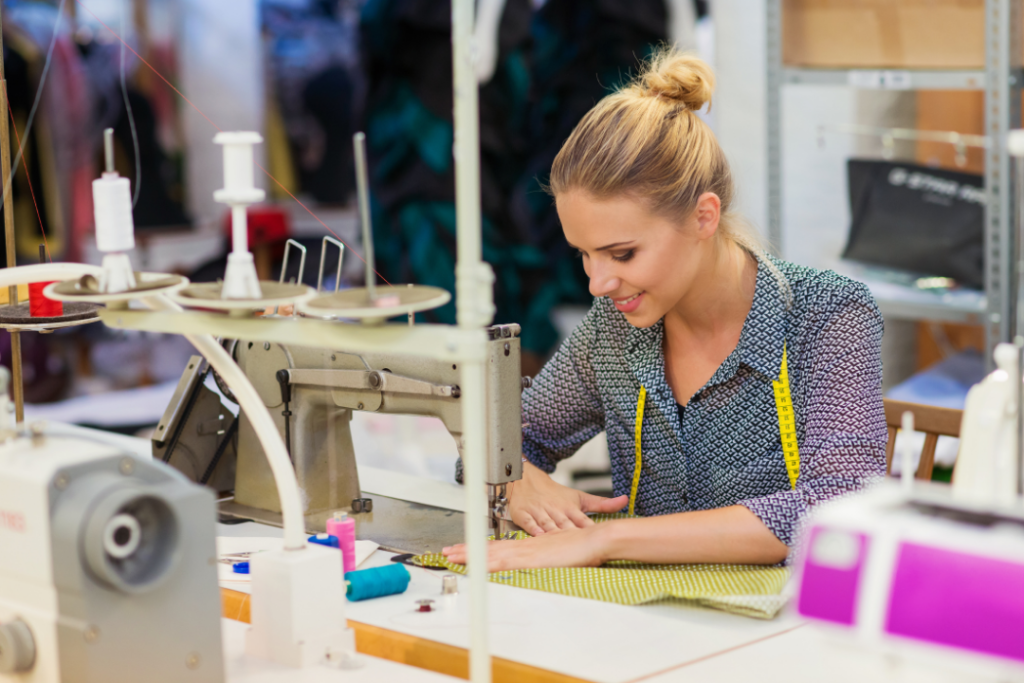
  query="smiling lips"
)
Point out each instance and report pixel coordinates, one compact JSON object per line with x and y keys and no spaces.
{"x":629,"y":304}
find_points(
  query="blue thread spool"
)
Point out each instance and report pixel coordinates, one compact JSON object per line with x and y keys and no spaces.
{"x":374,"y":583}
{"x":324,"y":539}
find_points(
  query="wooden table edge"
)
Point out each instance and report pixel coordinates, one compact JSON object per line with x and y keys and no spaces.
{"x":419,"y":652}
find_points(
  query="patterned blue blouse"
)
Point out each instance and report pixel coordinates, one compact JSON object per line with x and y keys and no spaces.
{"x":724,"y":448}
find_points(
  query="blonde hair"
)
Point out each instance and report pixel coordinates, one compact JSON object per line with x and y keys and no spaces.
{"x":646,"y":141}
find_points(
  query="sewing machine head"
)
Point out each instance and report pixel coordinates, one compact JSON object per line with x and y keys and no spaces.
{"x":108,"y":566}
{"x":311,"y":394}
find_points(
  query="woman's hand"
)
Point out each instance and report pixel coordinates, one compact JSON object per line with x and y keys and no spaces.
{"x":570,"y":548}
{"x":540,"y":505}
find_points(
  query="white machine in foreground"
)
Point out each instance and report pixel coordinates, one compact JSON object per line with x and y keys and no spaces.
{"x":920,"y":573}
{"x":108,"y":569}
{"x":930,"y":568}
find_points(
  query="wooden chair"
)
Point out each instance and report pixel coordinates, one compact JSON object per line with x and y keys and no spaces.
{"x":931,"y":420}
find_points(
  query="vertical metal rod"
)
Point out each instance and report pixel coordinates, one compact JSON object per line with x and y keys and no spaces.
{"x":108,"y":149}
{"x":474,"y":309}
{"x":773,"y":96}
{"x":1018,"y":279}
{"x":5,"y":178}
{"x":1019,"y":342}
{"x":363,"y":194}
{"x":1002,"y":113}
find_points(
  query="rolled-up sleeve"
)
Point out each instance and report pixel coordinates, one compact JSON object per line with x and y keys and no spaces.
{"x":562,"y":409}
{"x":844,"y":439}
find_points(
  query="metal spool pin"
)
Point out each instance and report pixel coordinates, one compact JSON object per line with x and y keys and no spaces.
{"x":108,"y":149}
{"x":363,"y":194}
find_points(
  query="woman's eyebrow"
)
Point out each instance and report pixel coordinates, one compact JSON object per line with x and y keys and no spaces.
{"x":605,"y":247}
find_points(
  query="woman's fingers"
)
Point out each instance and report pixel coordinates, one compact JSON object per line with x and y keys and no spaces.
{"x":456,"y":554}
{"x":574,"y":548}
{"x":529,"y":525}
{"x":592,"y":503}
{"x":563,"y":521}
{"x":579,"y":519}
{"x":545,"y":521}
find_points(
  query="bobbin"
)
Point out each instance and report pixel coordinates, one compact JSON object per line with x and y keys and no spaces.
{"x":239,"y":191}
{"x":115,"y":227}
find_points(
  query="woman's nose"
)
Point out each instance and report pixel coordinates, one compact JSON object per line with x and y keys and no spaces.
{"x":602,"y":282}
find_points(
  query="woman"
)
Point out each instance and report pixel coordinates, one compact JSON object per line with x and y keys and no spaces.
{"x":698,"y":344}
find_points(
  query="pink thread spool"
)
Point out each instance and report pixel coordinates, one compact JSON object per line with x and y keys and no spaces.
{"x":343,"y":528}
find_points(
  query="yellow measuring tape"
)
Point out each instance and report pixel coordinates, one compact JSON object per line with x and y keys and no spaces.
{"x":787,"y":421}
{"x":636,"y":469}
{"x":787,"y":429}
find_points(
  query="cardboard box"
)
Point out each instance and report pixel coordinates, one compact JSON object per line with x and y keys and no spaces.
{"x":874,"y":34}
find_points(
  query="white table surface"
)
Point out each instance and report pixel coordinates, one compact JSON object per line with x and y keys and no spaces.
{"x":588,"y":639}
{"x":807,"y":654}
{"x":241,"y":668}
{"x":609,"y":643}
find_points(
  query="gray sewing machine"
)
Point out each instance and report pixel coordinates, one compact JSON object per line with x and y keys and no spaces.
{"x":108,"y":568}
{"x":311,"y":393}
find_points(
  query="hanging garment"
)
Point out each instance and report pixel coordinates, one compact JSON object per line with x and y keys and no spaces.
{"x":407,"y":58}
{"x":315,"y":80}
{"x":57,"y":151}
{"x":160,"y":201}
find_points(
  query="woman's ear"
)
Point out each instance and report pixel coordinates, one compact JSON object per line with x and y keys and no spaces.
{"x":708,"y":212}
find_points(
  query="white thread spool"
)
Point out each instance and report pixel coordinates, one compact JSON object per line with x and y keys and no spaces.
{"x":115,"y":228}
{"x":112,"y":210}
{"x":240,"y":279}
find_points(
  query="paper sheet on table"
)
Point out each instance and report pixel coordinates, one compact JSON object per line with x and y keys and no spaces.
{"x":231,"y":549}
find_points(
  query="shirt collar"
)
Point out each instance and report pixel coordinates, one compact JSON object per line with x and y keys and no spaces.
{"x":760,"y":345}
{"x":764,"y":331}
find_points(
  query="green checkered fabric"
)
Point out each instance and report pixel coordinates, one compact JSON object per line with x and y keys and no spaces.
{"x":750,"y":590}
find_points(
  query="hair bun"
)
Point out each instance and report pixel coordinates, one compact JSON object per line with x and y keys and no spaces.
{"x":680,"y":77}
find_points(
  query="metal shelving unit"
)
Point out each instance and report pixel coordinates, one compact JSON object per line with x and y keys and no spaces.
{"x":889,"y":79}
{"x":1001,"y":81}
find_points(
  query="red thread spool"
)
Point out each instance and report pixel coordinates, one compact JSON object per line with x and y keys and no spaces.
{"x":41,"y":306}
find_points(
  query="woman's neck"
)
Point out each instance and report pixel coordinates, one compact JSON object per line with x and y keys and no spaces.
{"x":721,"y":296}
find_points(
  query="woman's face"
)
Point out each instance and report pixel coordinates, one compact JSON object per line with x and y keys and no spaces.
{"x":644,"y":262}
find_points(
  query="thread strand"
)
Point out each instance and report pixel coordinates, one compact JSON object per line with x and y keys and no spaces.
{"x":28,"y":177}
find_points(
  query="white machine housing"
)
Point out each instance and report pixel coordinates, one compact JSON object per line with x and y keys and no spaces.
{"x":110,"y":563}
{"x":986,"y":466}
{"x":919,"y":574}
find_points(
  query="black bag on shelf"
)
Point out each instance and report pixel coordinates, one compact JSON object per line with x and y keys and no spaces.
{"x":916,"y":218}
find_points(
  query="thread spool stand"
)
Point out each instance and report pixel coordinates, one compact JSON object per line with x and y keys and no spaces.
{"x":30,"y":316}
{"x":241,"y":292}
{"x":372,"y":304}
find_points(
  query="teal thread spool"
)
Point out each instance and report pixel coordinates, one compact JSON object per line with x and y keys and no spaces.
{"x":379,"y":581}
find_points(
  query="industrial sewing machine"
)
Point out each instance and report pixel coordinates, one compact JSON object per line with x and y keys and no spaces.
{"x":108,"y":565}
{"x":311,"y":394}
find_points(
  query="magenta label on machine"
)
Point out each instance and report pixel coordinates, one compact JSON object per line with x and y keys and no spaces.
{"x":952,"y":598}
{"x":831,"y":573}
